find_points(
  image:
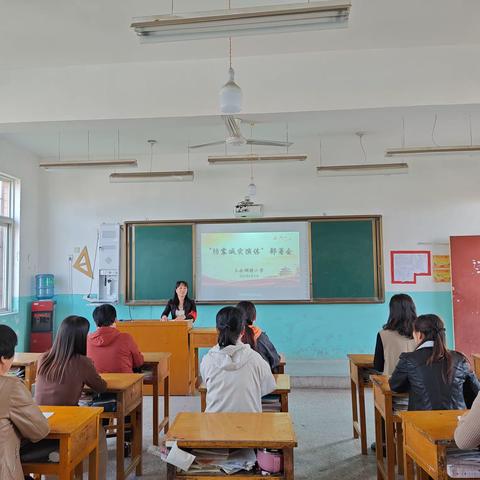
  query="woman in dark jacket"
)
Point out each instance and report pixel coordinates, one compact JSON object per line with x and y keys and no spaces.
{"x":434,"y":377}
{"x":181,"y":307}
{"x":256,"y":338}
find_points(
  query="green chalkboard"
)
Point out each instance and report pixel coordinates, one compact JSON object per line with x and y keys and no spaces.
{"x":345,"y":259}
{"x":159,"y":256}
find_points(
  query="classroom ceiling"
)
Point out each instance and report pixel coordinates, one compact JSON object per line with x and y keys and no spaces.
{"x":78,"y":32}
{"x":69,"y":140}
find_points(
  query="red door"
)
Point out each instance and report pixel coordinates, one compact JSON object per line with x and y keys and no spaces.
{"x":465,"y":265}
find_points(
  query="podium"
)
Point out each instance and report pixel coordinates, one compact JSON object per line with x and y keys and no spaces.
{"x":172,"y":337}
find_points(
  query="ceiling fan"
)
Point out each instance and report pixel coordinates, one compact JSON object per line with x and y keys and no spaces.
{"x":235,"y":137}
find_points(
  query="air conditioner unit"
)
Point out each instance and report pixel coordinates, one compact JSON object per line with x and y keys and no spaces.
{"x":247,"y":209}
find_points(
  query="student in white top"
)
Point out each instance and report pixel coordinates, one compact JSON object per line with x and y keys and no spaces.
{"x":236,"y":376}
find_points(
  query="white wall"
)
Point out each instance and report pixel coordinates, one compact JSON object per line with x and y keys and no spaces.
{"x":438,"y":198}
{"x":23,"y":165}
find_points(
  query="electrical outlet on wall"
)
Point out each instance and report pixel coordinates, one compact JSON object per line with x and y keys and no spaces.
{"x":76,"y":250}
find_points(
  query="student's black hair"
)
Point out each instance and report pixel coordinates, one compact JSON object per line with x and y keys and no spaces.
{"x":8,"y":341}
{"x":433,"y":328}
{"x":230,"y":324}
{"x":71,"y":340}
{"x":402,"y":315}
{"x":249,"y":313}
{"x":176,"y":301}
{"x":104,"y":315}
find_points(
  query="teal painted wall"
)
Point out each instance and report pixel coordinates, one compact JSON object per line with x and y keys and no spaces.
{"x":300,"y":331}
{"x":19,"y":321}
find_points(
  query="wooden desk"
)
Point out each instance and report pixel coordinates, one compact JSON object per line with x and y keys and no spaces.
{"x":159,"y":363}
{"x":27,"y":361}
{"x":282,"y":389}
{"x":234,"y":430}
{"x":426,"y":436}
{"x":383,"y":400}
{"x":171,"y":337}
{"x":128,"y":390}
{"x":359,"y":363}
{"x":76,"y":429}
{"x":199,"y":338}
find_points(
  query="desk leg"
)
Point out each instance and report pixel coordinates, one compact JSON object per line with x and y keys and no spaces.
{"x":93,"y":464}
{"x":203,"y":401}
{"x":408,"y":467}
{"x":197,"y":383}
{"x":378,"y":441}
{"x":353,"y":389}
{"x":166,"y":402}
{"x":399,"y":442}
{"x":155,"y":406}
{"x":288,"y":463}
{"x":120,"y":437}
{"x":390,"y":447}
{"x":363,"y":423}
{"x":284,"y":402}
{"x":138,"y":437}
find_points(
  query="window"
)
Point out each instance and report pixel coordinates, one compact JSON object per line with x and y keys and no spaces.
{"x":7,"y":223}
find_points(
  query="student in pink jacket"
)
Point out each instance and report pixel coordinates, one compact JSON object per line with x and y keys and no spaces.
{"x":110,"y":350}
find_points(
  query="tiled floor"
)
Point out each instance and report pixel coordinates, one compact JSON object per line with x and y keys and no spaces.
{"x":326,"y":449}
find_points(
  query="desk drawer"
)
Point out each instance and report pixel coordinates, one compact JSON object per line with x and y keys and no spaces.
{"x":84,"y":440}
{"x":133,"y":396}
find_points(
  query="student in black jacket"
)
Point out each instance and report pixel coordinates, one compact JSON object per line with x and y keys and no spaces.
{"x":256,"y":338}
{"x":181,"y":307}
{"x":434,"y":377}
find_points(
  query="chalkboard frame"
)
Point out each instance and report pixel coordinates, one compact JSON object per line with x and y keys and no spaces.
{"x":378,"y":269}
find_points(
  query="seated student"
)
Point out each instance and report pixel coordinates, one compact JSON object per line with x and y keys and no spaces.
{"x":435,"y":378}
{"x":396,"y":335}
{"x":19,"y":416}
{"x":467,"y":433}
{"x":236,"y":376}
{"x":110,"y":350}
{"x":65,"y":369}
{"x":256,"y":338}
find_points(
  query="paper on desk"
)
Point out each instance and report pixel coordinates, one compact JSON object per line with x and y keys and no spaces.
{"x":180,"y":458}
{"x":48,"y":414}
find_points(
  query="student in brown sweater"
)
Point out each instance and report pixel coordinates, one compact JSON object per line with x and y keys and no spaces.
{"x":19,"y":416}
{"x":65,"y":369}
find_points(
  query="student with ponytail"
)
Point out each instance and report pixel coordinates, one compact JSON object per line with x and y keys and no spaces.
{"x":236,"y":376}
{"x":256,"y":338}
{"x":435,"y":377}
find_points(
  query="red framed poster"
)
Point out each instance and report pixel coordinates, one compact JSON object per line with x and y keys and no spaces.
{"x":407,"y":265}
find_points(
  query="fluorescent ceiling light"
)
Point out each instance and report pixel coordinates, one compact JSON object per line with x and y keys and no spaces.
{"x":362,"y":169}
{"x":230,"y":159}
{"x":138,"y":177}
{"x":89,"y":164}
{"x":242,"y":21}
{"x":413,"y":151}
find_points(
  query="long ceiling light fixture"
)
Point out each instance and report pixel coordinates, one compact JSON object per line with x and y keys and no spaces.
{"x":242,"y":21}
{"x":426,"y":151}
{"x":139,"y":177}
{"x":255,"y":158}
{"x":72,"y":165}
{"x":362,"y":169}
{"x":151,"y":176}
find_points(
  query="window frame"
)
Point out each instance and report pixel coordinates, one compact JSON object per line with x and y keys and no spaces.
{"x":10,"y":223}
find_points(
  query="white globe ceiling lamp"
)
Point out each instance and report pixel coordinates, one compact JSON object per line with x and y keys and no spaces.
{"x":231,"y":94}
